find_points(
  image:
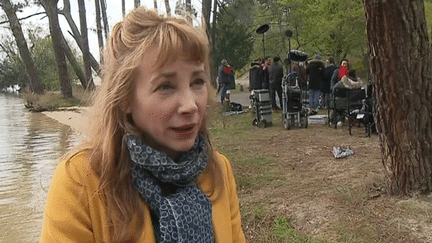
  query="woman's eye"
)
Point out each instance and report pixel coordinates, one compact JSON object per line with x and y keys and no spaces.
{"x":165,"y":87}
{"x":198,"y":83}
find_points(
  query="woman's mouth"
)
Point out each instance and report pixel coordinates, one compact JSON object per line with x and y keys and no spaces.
{"x":184,"y":129}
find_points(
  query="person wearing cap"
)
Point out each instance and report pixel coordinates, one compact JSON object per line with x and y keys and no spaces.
{"x":225,"y":74}
{"x":314,"y":72}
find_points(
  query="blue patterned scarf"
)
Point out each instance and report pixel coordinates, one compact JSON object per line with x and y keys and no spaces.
{"x":185,"y":214}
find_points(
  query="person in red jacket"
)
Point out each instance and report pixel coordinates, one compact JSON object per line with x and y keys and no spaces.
{"x":338,"y":73}
{"x":147,"y":171}
{"x":226,"y":76}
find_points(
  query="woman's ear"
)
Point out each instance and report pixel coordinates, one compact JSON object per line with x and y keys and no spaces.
{"x":126,"y":108}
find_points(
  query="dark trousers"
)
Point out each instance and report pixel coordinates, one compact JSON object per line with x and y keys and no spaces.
{"x":224,"y":88}
{"x":275,"y":88}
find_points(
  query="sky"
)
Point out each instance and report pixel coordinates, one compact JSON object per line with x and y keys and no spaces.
{"x":114,"y":13}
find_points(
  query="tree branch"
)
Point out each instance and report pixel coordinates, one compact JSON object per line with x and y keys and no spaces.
{"x":31,"y":15}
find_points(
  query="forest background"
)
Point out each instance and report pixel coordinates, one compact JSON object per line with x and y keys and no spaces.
{"x":328,"y":27}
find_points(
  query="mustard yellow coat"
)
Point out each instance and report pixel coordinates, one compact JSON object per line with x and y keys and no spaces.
{"x":75,"y":212}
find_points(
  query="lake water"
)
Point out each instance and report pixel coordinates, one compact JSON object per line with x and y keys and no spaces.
{"x":31,"y":145}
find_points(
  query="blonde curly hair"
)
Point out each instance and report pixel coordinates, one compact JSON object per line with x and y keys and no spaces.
{"x":130,"y":39}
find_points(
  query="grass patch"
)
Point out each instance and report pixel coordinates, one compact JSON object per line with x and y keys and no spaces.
{"x":260,"y":212}
{"x":284,"y":232}
{"x":348,"y":194}
{"x":255,"y":172}
{"x":352,"y":229}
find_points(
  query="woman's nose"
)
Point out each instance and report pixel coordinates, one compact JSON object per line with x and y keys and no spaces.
{"x":188,"y":103}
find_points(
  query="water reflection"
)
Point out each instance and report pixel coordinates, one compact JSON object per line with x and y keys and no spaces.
{"x":30,"y":147}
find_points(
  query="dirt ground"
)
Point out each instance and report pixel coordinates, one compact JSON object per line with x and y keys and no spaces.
{"x":293,"y":174}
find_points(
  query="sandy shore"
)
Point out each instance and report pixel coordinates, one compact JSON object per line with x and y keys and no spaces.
{"x":74,"y":117}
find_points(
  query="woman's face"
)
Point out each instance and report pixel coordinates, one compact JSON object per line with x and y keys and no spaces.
{"x":168,"y":104}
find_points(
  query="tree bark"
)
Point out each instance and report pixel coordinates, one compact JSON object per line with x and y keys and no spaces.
{"x":105,"y":19}
{"x":74,"y":63}
{"x":35,"y":83}
{"x":77,"y":35}
{"x":213,"y":39}
{"x":50,"y":7}
{"x":167,"y":7}
{"x":99,"y":26}
{"x":189,"y":11}
{"x":213,"y":29}
{"x":85,"y":51}
{"x":123,"y":8}
{"x":206,"y":10}
{"x":400,"y":62}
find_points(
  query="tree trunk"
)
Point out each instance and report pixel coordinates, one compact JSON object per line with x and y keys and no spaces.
{"x":400,"y":63}
{"x":105,"y":19}
{"x":77,"y":35}
{"x":74,"y":63}
{"x":155,"y":5}
{"x":213,"y":39}
{"x":206,"y":10}
{"x":213,"y":29}
{"x":85,"y":51}
{"x":189,"y":11}
{"x":50,"y":7}
{"x":123,"y":8}
{"x":167,"y":7}
{"x":137,"y":3}
{"x":99,"y":27}
{"x":35,"y":83}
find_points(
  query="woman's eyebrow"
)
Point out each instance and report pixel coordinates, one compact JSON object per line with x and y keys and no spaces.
{"x":198,"y":72}
{"x":173,"y":74}
{"x":163,"y":75}
{"x":167,"y":74}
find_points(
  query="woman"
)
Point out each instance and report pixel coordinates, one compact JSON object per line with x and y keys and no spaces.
{"x":148,"y":172}
{"x":350,"y":81}
{"x":340,"y":72}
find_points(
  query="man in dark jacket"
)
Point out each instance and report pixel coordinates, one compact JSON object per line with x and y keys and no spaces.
{"x":314,"y":71}
{"x":327,"y":76}
{"x":266,"y":63}
{"x":275,"y":82}
{"x":255,"y":75}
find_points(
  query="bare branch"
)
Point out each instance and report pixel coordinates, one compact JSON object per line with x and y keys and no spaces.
{"x":31,"y":15}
